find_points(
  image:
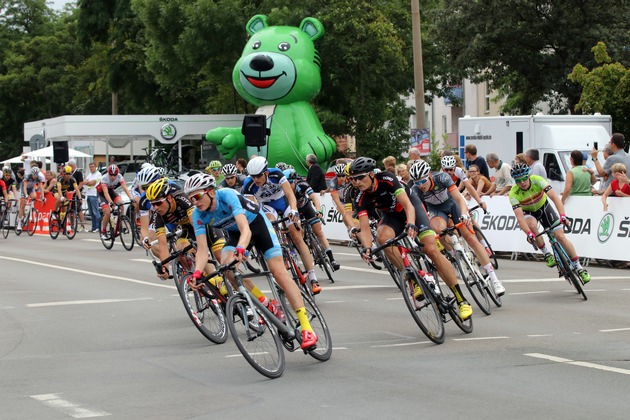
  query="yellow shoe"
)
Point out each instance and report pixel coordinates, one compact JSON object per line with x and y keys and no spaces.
{"x":217,"y":282}
{"x":417,"y":292}
{"x":465,"y":310}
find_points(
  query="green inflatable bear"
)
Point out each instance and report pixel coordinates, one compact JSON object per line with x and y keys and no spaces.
{"x":279,"y":71}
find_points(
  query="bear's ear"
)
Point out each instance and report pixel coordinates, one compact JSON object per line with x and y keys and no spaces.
{"x":256,"y":24}
{"x":312,"y":27}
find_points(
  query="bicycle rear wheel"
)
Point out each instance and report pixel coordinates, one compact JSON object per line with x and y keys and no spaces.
{"x":4,"y":222}
{"x":32,"y":222}
{"x":108,"y":242}
{"x":71,"y":223}
{"x":259,"y":343}
{"x":295,"y":271}
{"x":54,"y":226}
{"x":473,"y":282}
{"x":320,"y":257}
{"x":205,"y":313}
{"x":570,"y":274}
{"x":482,"y":238}
{"x":126,"y":233}
{"x":424,"y":312}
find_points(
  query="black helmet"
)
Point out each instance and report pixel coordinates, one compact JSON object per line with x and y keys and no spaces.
{"x":362,"y":165}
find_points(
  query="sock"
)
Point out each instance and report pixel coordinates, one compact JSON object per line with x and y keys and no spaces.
{"x":311,"y":275}
{"x":489,"y":268}
{"x":330,"y":254}
{"x":257,"y":293}
{"x":303,"y":318}
{"x":543,"y":249}
{"x":576,"y":260}
{"x":458,"y":293}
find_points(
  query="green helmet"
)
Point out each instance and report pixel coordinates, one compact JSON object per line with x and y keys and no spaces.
{"x":215,"y":164}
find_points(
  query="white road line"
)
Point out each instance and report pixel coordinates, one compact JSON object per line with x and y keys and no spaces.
{"x":540,"y":335}
{"x":576,"y":363}
{"x":72,"y":409}
{"x":82,"y":302}
{"x":381,"y":346}
{"x":528,"y":293}
{"x":366,"y":270}
{"x":90,"y":273}
{"x":144,"y":260}
{"x":481,"y":338}
{"x":615,"y":330}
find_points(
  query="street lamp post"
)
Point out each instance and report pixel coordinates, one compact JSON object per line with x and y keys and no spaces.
{"x":418,"y":72}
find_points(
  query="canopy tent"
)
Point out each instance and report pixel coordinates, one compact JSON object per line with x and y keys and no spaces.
{"x":17,"y":159}
{"x":48,"y":152}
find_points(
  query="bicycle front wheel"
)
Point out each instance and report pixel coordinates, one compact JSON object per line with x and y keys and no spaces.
{"x":424,"y":311}
{"x":570,"y":274}
{"x":108,"y":241}
{"x":473,"y":282}
{"x":321,"y":258}
{"x":32,"y":222}
{"x":482,"y":238}
{"x":126,"y":233}
{"x":54,"y":226}
{"x":323,"y":351}
{"x":71,"y":221}
{"x":24,"y":221}
{"x":258,"y":342}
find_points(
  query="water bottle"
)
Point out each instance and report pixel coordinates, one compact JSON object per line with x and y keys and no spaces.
{"x":428,"y":277}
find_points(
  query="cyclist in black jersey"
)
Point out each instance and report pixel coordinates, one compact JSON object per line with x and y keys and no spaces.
{"x":401,"y":212}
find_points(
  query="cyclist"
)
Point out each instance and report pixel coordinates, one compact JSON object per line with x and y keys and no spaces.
{"x":172,"y":207}
{"x":400,"y":211}
{"x":447,"y":205}
{"x":458,"y":175}
{"x":282,"y":166}
{"x":529,"y":199}
{"x":231,"y":177}
{"x":32,"y":183}
{"x":245,"y":222}
{"x":63,"y":184}
{"x":214,"y":169}
{"x":269,"y":187}
{"x":338,"y":188}
{"x":307,"y":203}
{"x":9,"y":182}
{"x":106,"y":190}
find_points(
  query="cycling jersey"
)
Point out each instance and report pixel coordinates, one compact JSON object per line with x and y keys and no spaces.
{"x":440,"y":192}
{"x":9,"y":182}
{"x":30,"y":181}
{"x":271,"y":192}
{"x":110,"y":184}
{"x":64,"y":184}
{"x":459,"y":175}
{"x":302,"y":193}
{"x":533,"y":198}
{"x":383,"y":195}
{"x":180,"y":215}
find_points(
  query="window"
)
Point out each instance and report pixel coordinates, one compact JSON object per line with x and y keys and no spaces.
{"x":552,"y":167}
{"x":487,"y":97}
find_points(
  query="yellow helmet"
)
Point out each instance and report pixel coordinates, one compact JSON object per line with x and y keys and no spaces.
{"x":158,"y":189}
{"x":67,"y":169}
{"x":347,"y":169}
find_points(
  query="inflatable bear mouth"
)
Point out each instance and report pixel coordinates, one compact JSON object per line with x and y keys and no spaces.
{"x":263,"y":82}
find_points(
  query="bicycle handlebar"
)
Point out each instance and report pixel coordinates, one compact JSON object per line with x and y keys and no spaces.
{"x":478,"y":206}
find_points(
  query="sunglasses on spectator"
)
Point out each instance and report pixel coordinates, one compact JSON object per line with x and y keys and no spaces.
{"x":196,"y":197}
{"x":420,"y":182}
{"x":358,"y":177}
{"x":158,"y":203}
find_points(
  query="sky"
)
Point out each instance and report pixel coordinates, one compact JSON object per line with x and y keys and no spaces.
{"x":58,"y":4}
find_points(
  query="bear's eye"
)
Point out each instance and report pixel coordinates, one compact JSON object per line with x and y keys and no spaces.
{"x":284,"y":46}
{"x":256,"y":45}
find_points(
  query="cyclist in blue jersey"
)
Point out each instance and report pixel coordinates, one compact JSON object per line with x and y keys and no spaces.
{"x":244,"y":222}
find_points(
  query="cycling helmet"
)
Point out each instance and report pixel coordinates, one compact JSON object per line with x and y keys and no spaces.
{"x":35,"y":171}
{"x":148,"y":175}
{"x":6,"y":170}
{"x":67,"y":169}
{"x":376,"y":170}
{"x":215,"y":164}
{"x":340,"y":169}
{"x":146,"y":165}
{"x":282,"y":166}
{"x":111,"y":170}
{"x":362,"y":165}
{"x":419,"y":170}
{"x":162,"y":171}
{"x":229,"y":169}
{"x":160,"y":188}
{"x":291,"y":175}
{"x":519,"y":170}
{"x":257,"y":165}
{"x":200,"y":181}
{"x":346,"y":170}
{"x":448,"y":162}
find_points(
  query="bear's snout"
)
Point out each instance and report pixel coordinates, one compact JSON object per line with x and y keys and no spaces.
{"x":261,"y":63}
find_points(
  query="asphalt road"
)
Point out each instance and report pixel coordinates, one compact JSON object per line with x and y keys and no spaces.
{"x":86,"y":332}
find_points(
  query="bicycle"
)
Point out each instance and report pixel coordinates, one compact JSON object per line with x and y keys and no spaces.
{"x":5,"y":212}
{"x":290,"y":256}
{"x":205,"y":305}
{"x":320,"y":257}
{"x":30,"y":218}
{"x":379,"y":256}
{"x":465,"y":262}
{"x":430,"y":309}
{"x":65,"y":219}
{"x":135,"y":222}
{"x":566,"y":268}
{"x":258,"y":334}
{"x":483,"y":240}
{"x":119,"y":225}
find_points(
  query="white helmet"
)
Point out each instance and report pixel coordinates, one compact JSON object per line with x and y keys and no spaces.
{"x":35,"y":171}
{"x":340,"y":169}
{"x":162,"y":170}
{"x":448,"y":162}
{"x":257,"y":165}
{"x":146,"y":165}
{"x":229,"y":169}
{"x":419,"y":170}
{"x":148,"y":175}
{"x":200,"y":181}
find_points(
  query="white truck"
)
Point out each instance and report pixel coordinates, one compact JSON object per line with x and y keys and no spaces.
{"x":555,"y":137}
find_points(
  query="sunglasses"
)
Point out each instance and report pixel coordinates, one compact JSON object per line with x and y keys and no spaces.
{"x":522,"y":179}
{"x":341,"y":176}
{"x":158,"y":203}
{"x":230,"y":177}
{"x":420,"y":182}
{"x":358,"y":177}
{"x":257,"y":176}
{"x":196,"y":197}
{"x":449,"y":170}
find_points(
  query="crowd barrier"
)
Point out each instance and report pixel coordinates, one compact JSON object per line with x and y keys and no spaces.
{"x":594,"y":233}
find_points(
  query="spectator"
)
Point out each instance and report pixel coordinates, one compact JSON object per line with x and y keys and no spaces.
{"x":241,"y":164}
{"x":78,"y":176}
{"x":414,"y":154}
{"x":502,"y":179}
{"x":619,"y":186}
{"x":390,"y":164}
{"x":402,"y":171}
{"x":604,"y":180}
{"x":91,"y":181}
{"x":617,"y":143}
{"x":315,"y":176}
{"x":579,"y":178}
{"x":470,"y":153}
{"x":481,"y":183}
{"x":532,"y":159}
{"x":520,"y":158}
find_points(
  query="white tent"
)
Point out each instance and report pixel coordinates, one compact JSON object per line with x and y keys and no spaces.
{"x":48,"y":152}
{"x":17,"y":159}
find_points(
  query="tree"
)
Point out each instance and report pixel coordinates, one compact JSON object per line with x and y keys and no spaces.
{"x":526,"y":48}
{"x":605,"y":89}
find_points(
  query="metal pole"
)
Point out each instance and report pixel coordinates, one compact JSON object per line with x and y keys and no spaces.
{"x":418,"y":72}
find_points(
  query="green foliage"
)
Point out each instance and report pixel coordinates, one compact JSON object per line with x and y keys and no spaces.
{"x":437,"y":147}
{"x":605,"y":89}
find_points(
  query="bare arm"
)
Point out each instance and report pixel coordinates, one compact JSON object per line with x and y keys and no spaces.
{"x":567,"y":186}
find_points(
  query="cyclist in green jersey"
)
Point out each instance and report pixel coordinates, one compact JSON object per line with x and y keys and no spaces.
{"x":530,"y":204}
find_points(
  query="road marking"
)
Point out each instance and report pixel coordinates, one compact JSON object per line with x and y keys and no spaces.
{"x":615,"y":330}
{"x":144,"y":260}
{"x":500,"y":337}
{"x":540,"y":335}
{"x":380,"y":346}
{"x":90,"y":273}
{"x":366,"y":270}
{"x":577,"y":363}
{"x":82,"y":302}
{"x":528,"y":293}
{"x":72,"y":409}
